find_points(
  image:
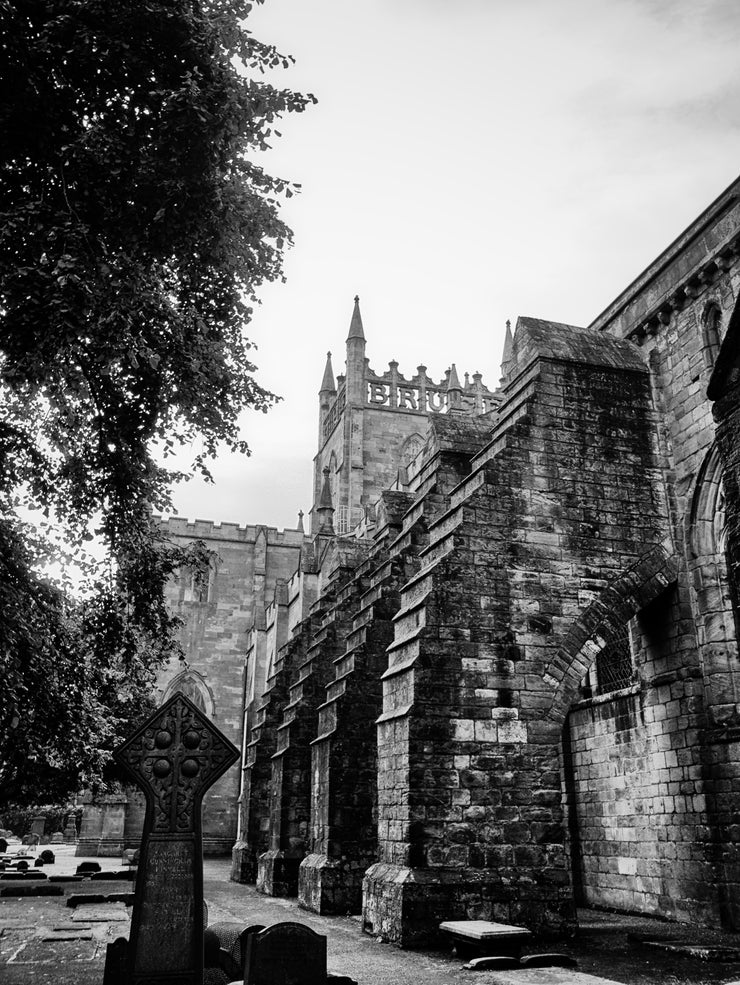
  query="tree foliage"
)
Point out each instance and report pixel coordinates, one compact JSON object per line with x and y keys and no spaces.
{"x":135,"y":229}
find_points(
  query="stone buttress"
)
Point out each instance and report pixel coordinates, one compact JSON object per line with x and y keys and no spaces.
{"x":470,"y":821}
{"x":290,"y":781}
{"x":255,"y":824}
{"x":344,"y":754}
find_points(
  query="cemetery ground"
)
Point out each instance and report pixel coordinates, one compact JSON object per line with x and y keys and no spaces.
{"x":44,"y":941}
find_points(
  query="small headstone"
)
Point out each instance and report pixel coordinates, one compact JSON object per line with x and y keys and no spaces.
{"x":283,"y":953}
{"x":21,"y":876}
{"x":38,"y":826}
{"x":174,"y":757}
{"x":108,"y":874}
{"x":38,"y":863}
{"x":22,"y":865}
{"x":3,"y":845}
{"x":57,"y":838}
{"x":47,"y":857}
{"x":115,"y":963}
{"x":127,"y":898}
{"x":84,"y":899}
{"x":87,"y":867}
{"x":230,"y":936}
{"x":130,"y":856}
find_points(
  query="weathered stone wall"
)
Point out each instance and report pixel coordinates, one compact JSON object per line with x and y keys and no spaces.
{"x":470,"y":822}
{"x":290,"y":782}
{"x":636,"y":778}
{"x":678,"y":313}
{"x":254,"y":822}
{"x":342,"y":839}
{"x":214,"y":636}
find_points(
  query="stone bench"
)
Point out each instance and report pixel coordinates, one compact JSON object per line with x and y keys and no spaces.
{"x":484,"y":937}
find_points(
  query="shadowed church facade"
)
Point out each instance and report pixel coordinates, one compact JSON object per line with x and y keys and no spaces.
{"x":498,"y":674}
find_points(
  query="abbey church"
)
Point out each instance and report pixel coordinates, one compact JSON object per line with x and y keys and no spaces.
{"x":497,"y":674}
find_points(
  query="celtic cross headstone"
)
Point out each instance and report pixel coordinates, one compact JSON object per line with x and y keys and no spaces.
{"x":174,"y":757}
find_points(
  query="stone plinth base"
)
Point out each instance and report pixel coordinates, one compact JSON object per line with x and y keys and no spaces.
{"x":214,"y":847}
{"x":330,"y":886}
{"x":109,"y":847}
{"x":277,"y":873}
{"x":406,"y":906}
{"x":87,"y":848}
{"x":243,"y":863}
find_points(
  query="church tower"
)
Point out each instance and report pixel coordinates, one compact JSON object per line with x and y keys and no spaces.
{"x":372,"y":427}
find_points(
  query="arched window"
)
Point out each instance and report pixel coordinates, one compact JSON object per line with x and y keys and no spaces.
{"x":711,"y":322}
{"x":193,"y":686}
{"x":411,"y":448}
{"x":333,"y":479}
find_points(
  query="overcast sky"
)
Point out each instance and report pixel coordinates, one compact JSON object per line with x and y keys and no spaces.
{"x":469,"y":161}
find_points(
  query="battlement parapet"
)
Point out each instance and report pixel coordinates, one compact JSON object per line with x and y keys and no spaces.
{"x":422,"y":395}
{"x":178,"y":526}
{"x":419,"y":394}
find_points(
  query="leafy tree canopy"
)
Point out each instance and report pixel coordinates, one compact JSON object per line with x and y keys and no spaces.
{"x":135,"y":229}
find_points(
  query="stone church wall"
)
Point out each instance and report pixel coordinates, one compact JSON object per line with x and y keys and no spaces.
{"x":634,"y":775}
{"x":250,"y":560}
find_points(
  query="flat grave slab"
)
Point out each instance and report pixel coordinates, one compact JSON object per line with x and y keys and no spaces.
{"x":704,"y":952}
{"x":485,"y":937}
{"x":61,"y":953}
{"x":546,"y":976}
{"x":102,"y":913}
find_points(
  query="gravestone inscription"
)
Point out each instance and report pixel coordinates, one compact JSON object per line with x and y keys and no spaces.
{"x":174,"y":757}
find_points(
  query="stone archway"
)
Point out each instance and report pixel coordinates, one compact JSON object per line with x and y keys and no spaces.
{"x":642,"y":582}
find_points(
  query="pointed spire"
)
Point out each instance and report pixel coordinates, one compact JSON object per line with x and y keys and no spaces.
{"x":508,"y":353}
{"x":355,"y":326}
{"x":453,"y":383}
{"x":327,"y":384}
{"x":325,"y":509}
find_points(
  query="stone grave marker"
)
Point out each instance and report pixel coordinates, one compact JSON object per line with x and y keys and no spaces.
{"x":70,"y":830}
{"x":284,"y":953}
{"x":174,"y":757}
{"x":38,"y":825}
